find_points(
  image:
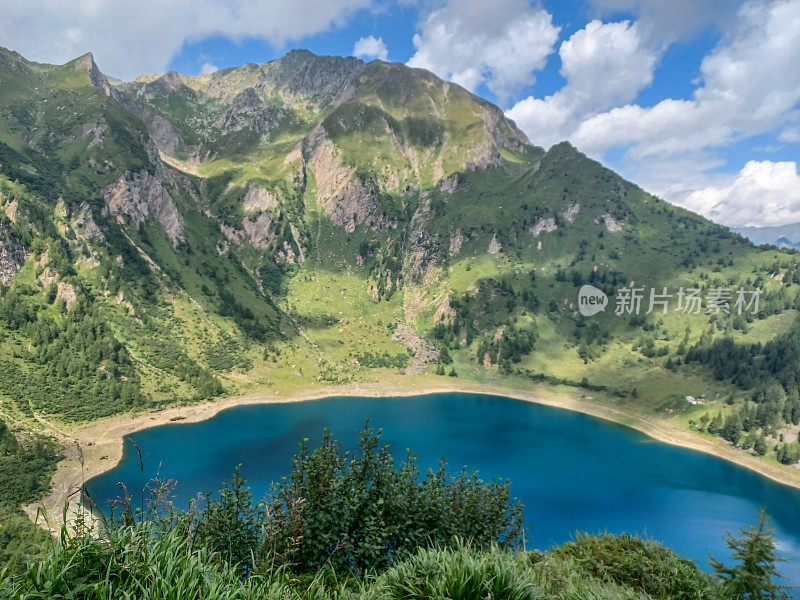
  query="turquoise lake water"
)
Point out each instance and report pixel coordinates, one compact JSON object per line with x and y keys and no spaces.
{"x":572,"y":471}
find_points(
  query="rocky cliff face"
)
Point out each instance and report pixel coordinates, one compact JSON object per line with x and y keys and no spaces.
{"x":300,"y":76}
{"x":141,"y":196}
{"x":346,"y":199}
{"x":14,"y":61}
{"x":98,"y":79}
{"x":249,"y":111}
{"x":12,"y":256}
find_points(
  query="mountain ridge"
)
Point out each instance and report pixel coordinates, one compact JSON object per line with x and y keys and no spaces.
{"x":325,"y":220}
{"x":779,"y":235}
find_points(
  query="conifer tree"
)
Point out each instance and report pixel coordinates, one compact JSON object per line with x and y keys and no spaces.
{"x":756,"y":576}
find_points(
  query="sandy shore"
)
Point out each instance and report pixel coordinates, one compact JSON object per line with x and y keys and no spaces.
{"x":97,"y":447}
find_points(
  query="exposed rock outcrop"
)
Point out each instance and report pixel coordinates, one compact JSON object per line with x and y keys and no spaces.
{"x":84,"y":225}
{"x":249,"y":112}
{"x":445,"y":313}
{"x":609,"y":221}
{"x":424,"y":352}
{"x":12,"y":256}
{"x":571,"y":212}
{"x":163,"y":133}
{"x":257,"y":198}
{"x":456,"y":241}
{"x":66,"y":292}
{"x":257,"y":231}
{"x":541,"y":225}
{"x":96,"y":76}
{"x":141,"y":196}
{"x":423,"y":248}
{"x":499,"y":133}
{"x":165,"y":85}
{"x":348,"y":200}
{"x":96,"y":130}
{"x":300,"y":75}
{"x":448,"y":185}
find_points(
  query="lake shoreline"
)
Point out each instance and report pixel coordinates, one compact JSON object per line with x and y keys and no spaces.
{"x":96,"y":447}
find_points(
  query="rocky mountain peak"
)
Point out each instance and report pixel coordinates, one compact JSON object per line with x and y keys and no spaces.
{"x":85,"y":61}
{"x":170,"y":83}
{"x":96,"y":76}
{"x":13,"y":61}
{"x":299,"y":75}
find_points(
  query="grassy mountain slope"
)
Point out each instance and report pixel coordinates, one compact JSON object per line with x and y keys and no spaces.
{"x":319,"y":219}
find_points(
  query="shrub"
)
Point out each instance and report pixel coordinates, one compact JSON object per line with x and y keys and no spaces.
{"x":641,"y":563}
{"x":458,"y":574}
{"x":357,"y":512}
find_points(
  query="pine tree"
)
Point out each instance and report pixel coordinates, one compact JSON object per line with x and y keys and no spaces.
{"x":715,"y":425}
{"x":452,"y":372}
{"x":755,"y":578}
{"x":732,"y":428}
{"x":761,"y":445}
{"x":788,"y":454}
{"x":749,"y":441}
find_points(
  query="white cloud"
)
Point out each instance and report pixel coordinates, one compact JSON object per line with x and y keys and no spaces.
{"x":131,"y":38}
{"x":208,"y":68}
{"x":763,"y":193}
{"x":605,"y":65}
{"x":500,"y":43}
{"x":370,"y":47}
{"x":790,"y":135}
{"x":751,"y":85}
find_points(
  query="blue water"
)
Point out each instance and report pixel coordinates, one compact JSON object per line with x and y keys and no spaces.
{"x":573,"y":472}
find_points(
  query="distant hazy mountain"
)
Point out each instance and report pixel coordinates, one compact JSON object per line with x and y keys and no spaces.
{"x":784,"y":236}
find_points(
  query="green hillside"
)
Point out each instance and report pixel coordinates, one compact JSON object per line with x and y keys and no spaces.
{"x":319,"y":220}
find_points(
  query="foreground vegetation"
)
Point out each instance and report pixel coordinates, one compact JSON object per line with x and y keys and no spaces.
{"x":361,"y":526}
{"x":26,"y":467}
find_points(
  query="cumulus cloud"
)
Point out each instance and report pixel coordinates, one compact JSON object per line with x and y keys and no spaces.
{"x":751,"y":85}
{"x":762,"y":193}
{"x":472,"y":42}
{"x":208,"y":67}
{"x":370,"y":47}
{"x":605,"y":65}
{"x":130,"y":38}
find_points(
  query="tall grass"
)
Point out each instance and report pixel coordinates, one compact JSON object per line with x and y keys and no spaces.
{"x":458,"y":574}
{"x":135,"y":562}
{"x":132,"y":562}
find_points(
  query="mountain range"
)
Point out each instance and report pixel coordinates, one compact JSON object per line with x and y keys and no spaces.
{"x":321,"y":220}
{"x":783,"y":236}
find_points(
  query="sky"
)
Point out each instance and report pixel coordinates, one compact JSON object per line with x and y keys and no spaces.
{"x":697,"y":102}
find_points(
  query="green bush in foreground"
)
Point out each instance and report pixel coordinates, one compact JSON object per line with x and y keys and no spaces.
{"x":353,"y":526}
{"x":459,"y":573}
{"x":355,"y":512}
{"x":627,"y":559}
